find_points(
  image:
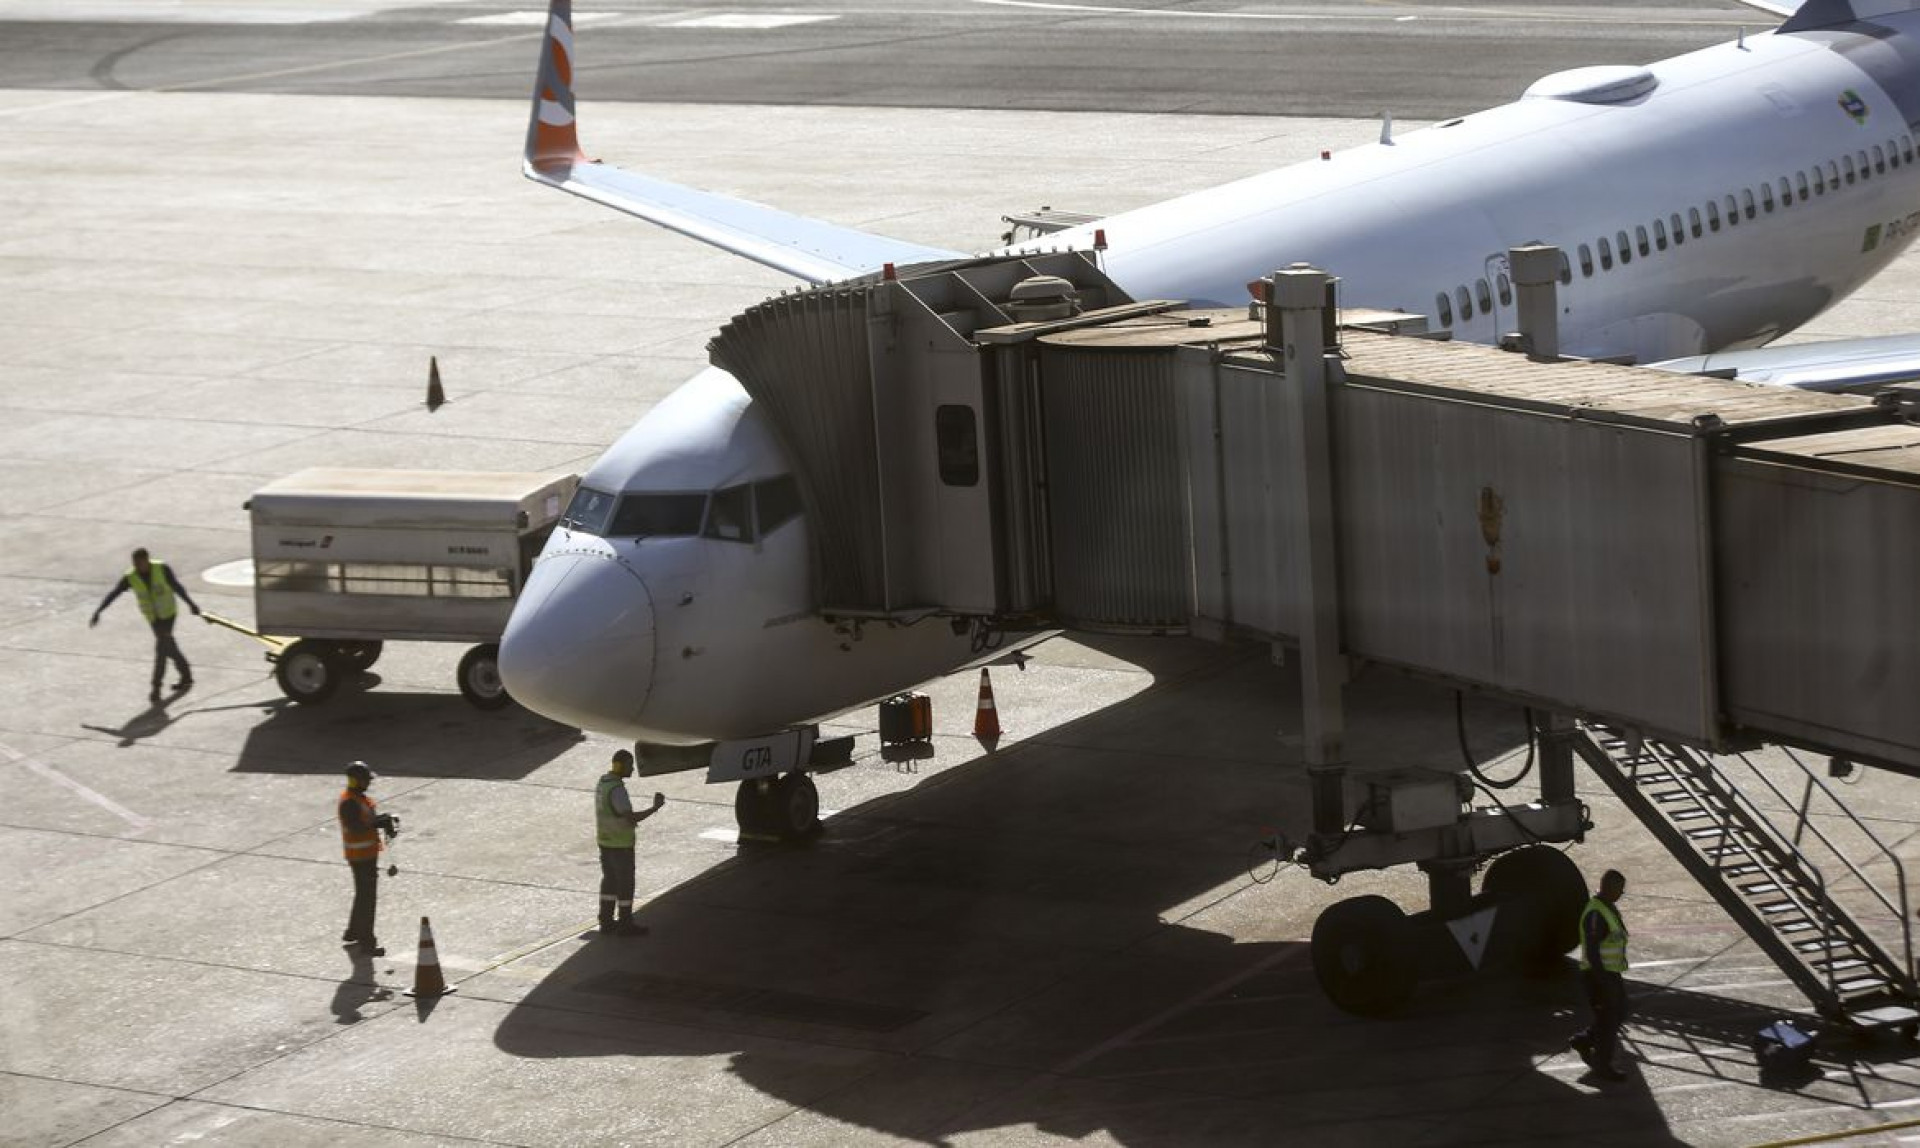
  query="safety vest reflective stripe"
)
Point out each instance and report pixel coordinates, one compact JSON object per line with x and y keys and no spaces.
{"x":154,"y":592}
{"x":358,"y":844}
{"x":611,"y":829}
{"x":1613,"y":946}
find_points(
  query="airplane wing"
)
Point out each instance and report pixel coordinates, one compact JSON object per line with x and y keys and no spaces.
{"x":1773,"y":7}
{"x":1836,"y":365}
{"x":811,"y":249}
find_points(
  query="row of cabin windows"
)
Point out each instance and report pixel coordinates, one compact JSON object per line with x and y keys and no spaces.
{"x":1861,"y":165}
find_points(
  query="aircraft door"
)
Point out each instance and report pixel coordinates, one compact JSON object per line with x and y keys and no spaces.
{"x":1493,"y":294}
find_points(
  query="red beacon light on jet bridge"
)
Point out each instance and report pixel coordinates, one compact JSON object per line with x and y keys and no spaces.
{"x":1325,"y":154}
{"x":1099,"y":239}
{"x":1260,"y":290}
{"x":887,"y":272}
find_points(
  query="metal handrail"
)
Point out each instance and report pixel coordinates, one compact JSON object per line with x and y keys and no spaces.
{"x":1757,"y":819}
{"x":1902,"y":911}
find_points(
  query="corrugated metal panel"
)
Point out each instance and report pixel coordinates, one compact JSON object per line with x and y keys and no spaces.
{"x":1115,"y":488}
{"x":1820,"y":613}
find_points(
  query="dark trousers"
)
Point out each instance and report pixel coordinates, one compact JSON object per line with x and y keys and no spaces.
{"x":616,"y":884}
{"x":164,"y":647}
{"x":366,"y":898}
{"x":1607,"y":994}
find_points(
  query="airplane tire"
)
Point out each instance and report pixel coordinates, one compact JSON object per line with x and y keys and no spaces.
{"x":1363,"y":955}
{"x":1541,"y":893}
{"x":306,"y":672}
{"x":358,"y":657}
{"x":479,"y":677}
{"x":752,"y":809}
{"x":795,"y":807}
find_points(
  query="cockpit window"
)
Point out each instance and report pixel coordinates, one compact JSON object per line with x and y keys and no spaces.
{"x":730,"y":518}
{"x":656,"y":515}
{"x":590,"y":510}
{"x":777,"y":501}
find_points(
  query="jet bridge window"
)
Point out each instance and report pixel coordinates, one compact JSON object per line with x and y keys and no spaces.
{"x":1586,"y":261}
{"x":730,"y":514}
{"x":1443,"y":307}
{"x":776,"y":502}
{"x":958,"y":439}
{"x":658,"y":516}
{"x":590,"y":510}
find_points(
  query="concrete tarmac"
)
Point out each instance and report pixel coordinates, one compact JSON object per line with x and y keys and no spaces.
{"x":1071,"y":938}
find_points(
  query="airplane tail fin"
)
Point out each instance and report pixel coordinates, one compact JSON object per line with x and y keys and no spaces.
{"x":811,"y":249}
{"x":552,"y":142}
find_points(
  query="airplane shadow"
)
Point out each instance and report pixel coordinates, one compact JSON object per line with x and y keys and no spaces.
{"x":1045,"y":938}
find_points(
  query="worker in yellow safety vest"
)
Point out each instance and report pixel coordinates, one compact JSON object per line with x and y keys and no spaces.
{"x":1603,"y":965}
{"x":155,"y":587}
{"x":614,"y":819}
{"x":361,"y":825}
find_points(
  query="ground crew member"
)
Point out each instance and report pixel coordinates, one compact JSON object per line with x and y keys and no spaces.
{"x":360,"y":828}
{"x":614,"y":819}
{"x":1603,"y":965}
{"x":154,"y":586}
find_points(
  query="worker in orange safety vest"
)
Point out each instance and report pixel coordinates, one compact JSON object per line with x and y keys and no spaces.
{"x":361,"y":825}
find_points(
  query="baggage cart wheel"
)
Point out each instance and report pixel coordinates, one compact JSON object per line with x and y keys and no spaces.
{"x":307,"y":672}
{"x":479,"y":677}
{"x":1363,"y":955}
{"x":358,"y":657}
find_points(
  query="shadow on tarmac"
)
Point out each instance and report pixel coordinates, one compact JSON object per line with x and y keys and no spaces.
{"x":999,"y":953}
{"x":402,"y":735}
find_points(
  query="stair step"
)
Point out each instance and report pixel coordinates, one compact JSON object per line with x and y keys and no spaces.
{"x":1796,"y":926}
{"x":1745,"y":869}
{"x":1667,"y":796}
{"x":1774,"y":908}
{"x":1759,"y":887}
{"x":1690,"y":814}
{"x":1860,"y":985}
{"x":1840,"y":964}
{"x":1819,"y":945}
{"x":1885,"y":1016}
{"x":1707,"y":831}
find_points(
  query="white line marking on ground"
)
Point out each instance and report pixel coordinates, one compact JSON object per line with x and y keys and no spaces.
{"x":54,"y":775}
{"x":528,"y":18}
{"x":753,"y":21}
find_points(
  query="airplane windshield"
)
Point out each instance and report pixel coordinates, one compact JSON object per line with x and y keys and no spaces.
{"x":654,"y":515}
{"x":589,"y":510}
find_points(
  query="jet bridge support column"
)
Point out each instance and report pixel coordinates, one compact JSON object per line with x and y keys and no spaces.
{"x":1536,"y":270}
{"x":1298,"y":425}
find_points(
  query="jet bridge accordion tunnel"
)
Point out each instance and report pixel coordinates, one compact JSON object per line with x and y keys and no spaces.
{"x":1707,"y":562}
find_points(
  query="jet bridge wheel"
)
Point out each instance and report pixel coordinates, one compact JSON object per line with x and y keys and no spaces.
{"x":787,"y":808}
{"x":1364,"y":955}
{"x":307,"y":671}
{"x":479,"y":677}
{"x":1540,"y":893}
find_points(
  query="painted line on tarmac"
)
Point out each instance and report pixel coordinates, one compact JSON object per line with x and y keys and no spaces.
{"x":51,"y":774}
{"x":1463,"y":15}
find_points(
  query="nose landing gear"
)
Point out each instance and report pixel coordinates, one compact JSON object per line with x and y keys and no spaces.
{"x":784,"y":809}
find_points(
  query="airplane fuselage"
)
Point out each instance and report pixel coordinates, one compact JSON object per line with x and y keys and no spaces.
{"x":1711,"y":201}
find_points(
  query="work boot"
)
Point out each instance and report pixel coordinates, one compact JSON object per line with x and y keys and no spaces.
{"x":627,"y":928}
{"x":1583,"y":1045}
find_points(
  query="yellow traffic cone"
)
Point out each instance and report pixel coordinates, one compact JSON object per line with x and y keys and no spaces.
{"x":427,"y":981}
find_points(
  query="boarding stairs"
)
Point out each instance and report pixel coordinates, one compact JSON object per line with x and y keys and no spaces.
{"x":1763,"y":873}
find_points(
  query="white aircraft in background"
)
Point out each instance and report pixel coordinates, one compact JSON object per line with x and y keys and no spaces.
{"x":1706,"y":203}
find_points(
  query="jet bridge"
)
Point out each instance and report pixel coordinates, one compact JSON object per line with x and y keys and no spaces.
{"x":1691,"y":564}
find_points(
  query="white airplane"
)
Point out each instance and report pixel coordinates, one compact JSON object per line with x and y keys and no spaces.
{"x":1705,"y":203}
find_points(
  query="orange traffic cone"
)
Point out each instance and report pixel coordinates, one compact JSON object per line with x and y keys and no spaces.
{"x":427,"y":981}
{"x":986,"y":719}
{"x":436,"y":394}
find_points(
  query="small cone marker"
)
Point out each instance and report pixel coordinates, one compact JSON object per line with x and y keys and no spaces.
{"x":986,"y":719}
{"x":427,"y":981}
{"x":436,"y":394}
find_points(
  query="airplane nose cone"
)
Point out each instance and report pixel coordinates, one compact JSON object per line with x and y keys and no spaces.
{"x":579,"y":647}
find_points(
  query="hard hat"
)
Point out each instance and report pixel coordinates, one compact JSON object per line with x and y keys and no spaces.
{"x":360,"y":771}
